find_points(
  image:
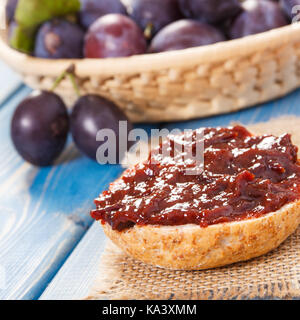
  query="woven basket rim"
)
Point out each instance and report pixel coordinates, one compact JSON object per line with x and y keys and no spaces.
{"x":150,"y":62}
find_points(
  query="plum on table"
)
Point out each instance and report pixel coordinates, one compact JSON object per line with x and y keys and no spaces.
{"x":39,"y":127}
{"x":90,"y":114}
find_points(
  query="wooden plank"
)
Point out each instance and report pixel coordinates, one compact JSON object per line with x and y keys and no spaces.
{"x":77,"y":274}
{"x":70,"y":283}
{"x":10,"y":81}
{"x":43,"y":212}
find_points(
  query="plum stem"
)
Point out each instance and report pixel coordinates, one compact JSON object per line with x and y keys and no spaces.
{"x":74,"y":83}
{"x":70,"y":72}
{"x":149,"y":30}
{"x":58,"y":80}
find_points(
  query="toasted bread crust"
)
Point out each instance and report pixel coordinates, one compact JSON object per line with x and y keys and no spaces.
{"x":191,"y":247}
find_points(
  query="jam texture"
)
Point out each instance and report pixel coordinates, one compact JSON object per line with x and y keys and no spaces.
{"x":243,"y":177}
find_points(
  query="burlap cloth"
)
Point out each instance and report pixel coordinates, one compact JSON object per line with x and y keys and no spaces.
{"x":274,"y":275}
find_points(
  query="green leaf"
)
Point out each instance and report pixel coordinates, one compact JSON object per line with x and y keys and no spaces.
{"x":30,"y":14}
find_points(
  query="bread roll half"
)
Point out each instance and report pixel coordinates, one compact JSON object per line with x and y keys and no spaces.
{"x":191,"y":247}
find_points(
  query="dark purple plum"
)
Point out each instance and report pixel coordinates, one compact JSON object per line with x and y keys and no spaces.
{"x":184,"y":34}
{"x":11,"y":29}
{"x":90,"y":114}
{"x":154,"y":14}
{"x":91,"y":10}
{"x":289,"y":7}
{"x":258,"y":16}
{"x":114,"y":35}
{"x":211,"y":11}
{"x":59,"y":39}
{"x":39,"y":127}
{"x":10,"y":9}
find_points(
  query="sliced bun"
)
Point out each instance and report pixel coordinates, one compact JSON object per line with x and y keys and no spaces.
{"x":191,"y":247}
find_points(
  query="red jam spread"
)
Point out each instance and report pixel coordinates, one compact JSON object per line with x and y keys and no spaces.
{"x":244,"y":177}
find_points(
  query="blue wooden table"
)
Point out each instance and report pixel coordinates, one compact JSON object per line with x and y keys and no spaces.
{"x":49,"y":247}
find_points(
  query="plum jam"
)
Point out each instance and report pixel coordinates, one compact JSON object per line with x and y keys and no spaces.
{"x":243,"y":177}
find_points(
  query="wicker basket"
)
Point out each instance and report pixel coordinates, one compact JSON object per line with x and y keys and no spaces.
{"x":179,"y":85}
